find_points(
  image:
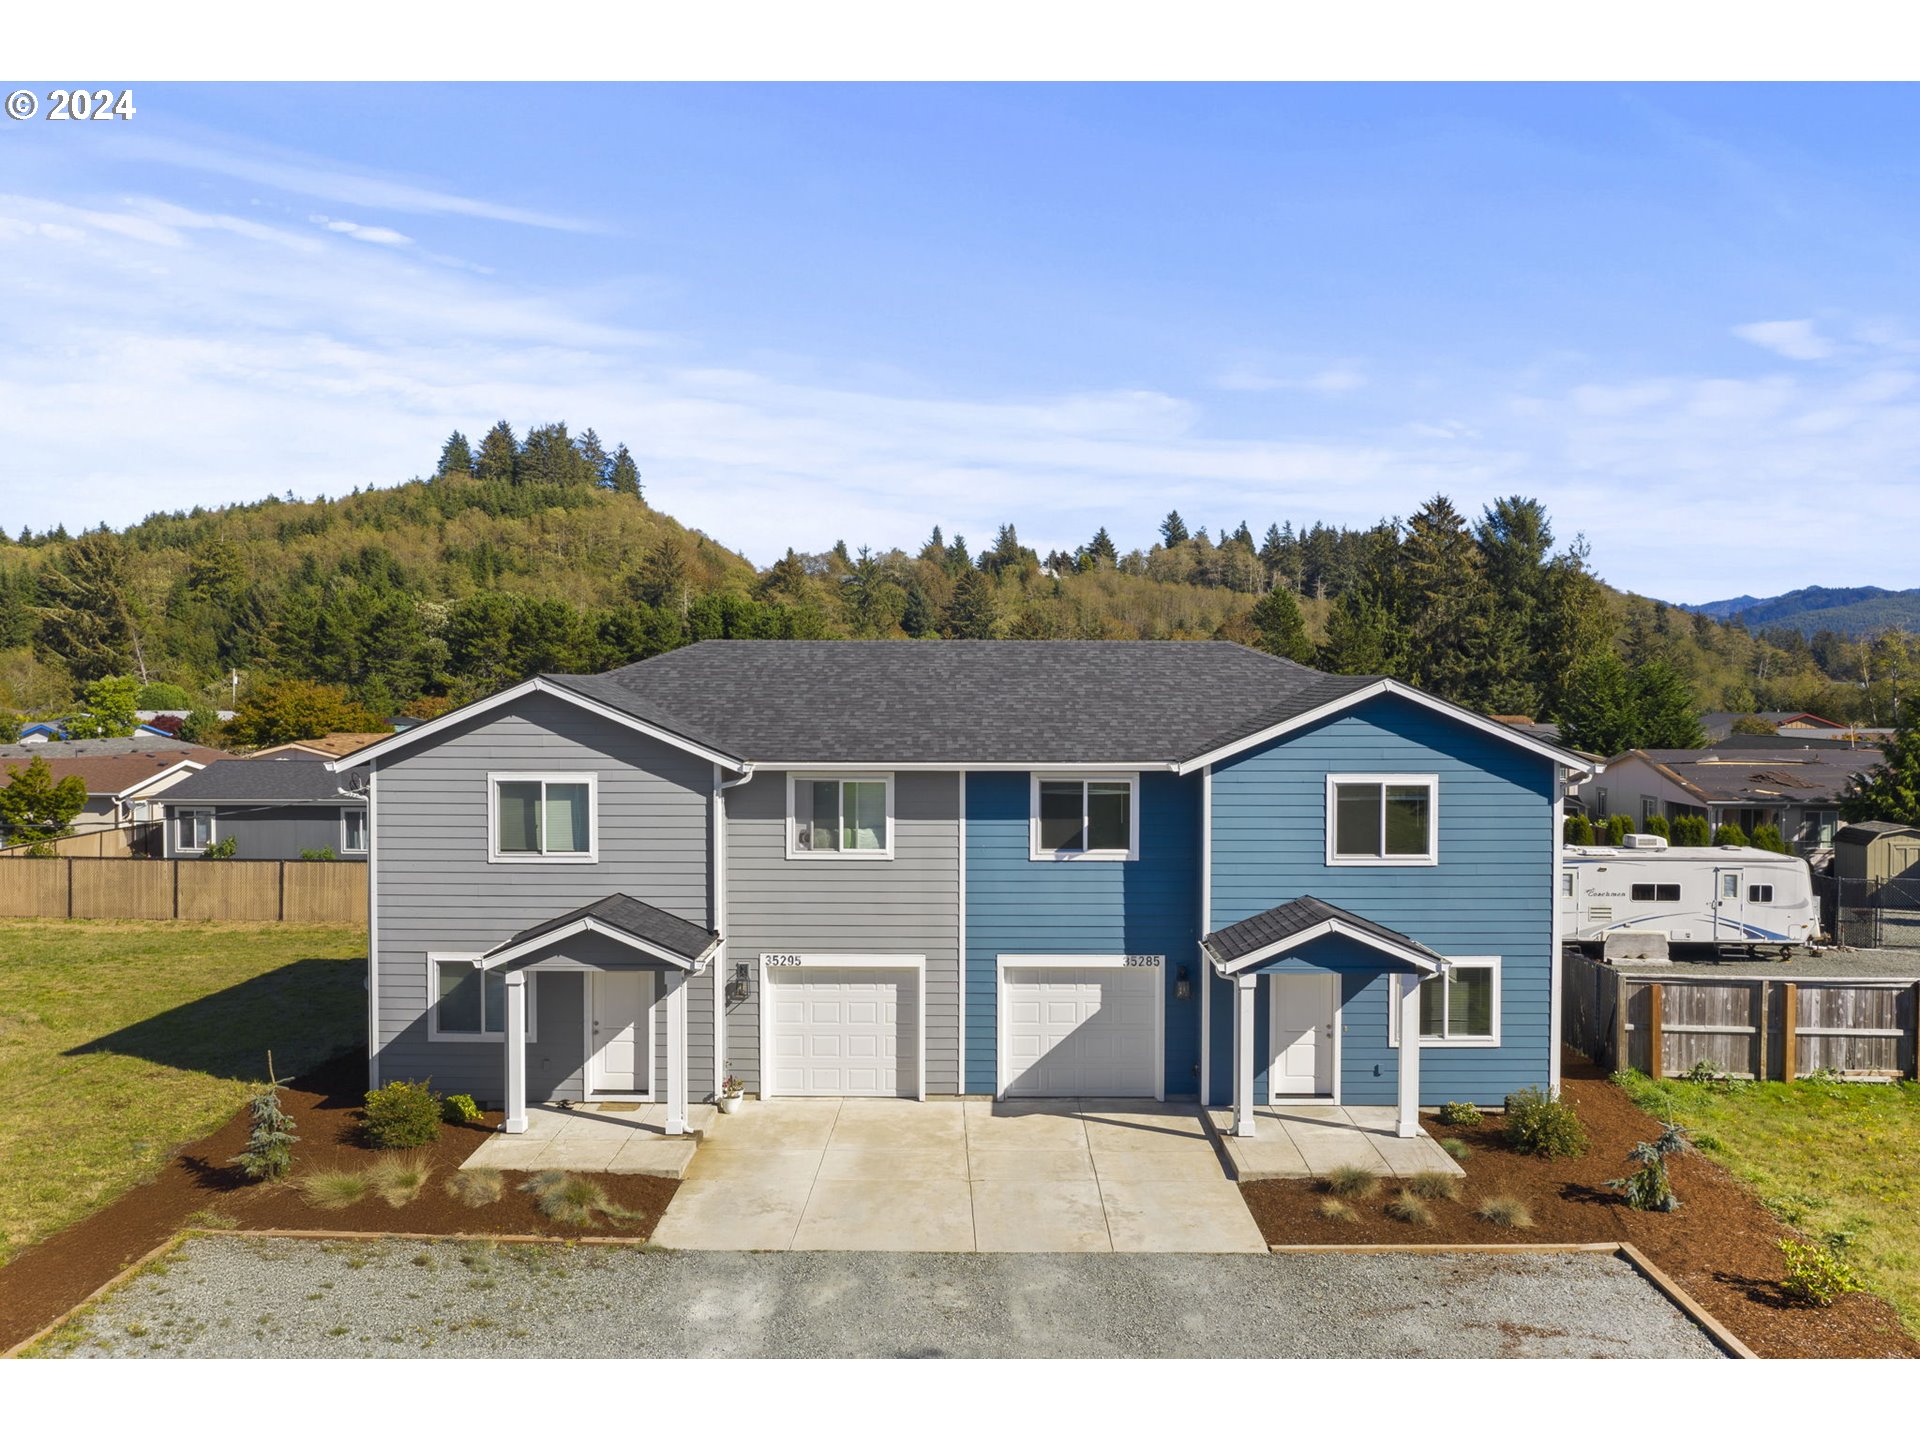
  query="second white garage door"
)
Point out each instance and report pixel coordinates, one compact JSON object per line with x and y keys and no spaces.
{"x":1081,"y":1030}
{"x":843,"y":1031}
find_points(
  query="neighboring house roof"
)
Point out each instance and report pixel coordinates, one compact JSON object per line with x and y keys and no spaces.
{"x":1770,"y":777}
{"x":1864,"y":832}
{"x":620,"y":917}
{"x":980,"y":703}
{"x":284,"y":780}
{"x":1297,"y":922}
{"x":331,"y":747}
{"x":109,"y":767}
{"x":1719,"y":723}
{"x":1527,"y":725}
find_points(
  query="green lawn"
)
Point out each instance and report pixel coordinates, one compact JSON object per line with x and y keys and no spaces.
{"x":121,"y":1039}
{"x":1832,"y":1159}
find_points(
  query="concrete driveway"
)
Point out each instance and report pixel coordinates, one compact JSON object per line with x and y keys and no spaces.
{"x":959,"y":1175}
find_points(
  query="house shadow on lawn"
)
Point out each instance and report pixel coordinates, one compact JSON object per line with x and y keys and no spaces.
{"x":303,"y":1012}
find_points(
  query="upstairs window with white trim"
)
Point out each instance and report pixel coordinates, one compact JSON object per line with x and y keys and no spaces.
{"x":842,"y":816}
{"x":353,"y":830}
{"x":543,"y":818}
{"x":192,"y":830}
{"x":1093,"y":817}
{"x":470,"y":1003}
{"x":1461,"y":1007}
{"x":1383,"y":819}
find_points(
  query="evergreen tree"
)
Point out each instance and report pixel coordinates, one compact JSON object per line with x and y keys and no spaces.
{"x":917,"y":617}
{"x":548,"y":457}
{"x":973,"y":611}
{"x":872,"y":599}
{"x":1102,"y":550}
{"x":455,"y":457}
{"x":1600,"y":713}
{"x":1729,"y":834}
{"x":1282,"y":630}
{"x":959,"y":558}
{"x":594,"y":457}
{"x":1669,"y":718}
{"x":1008,"y":554}
{"x":1455,"y":645}
{"x":499,"y":452}
{"x":35,"y":807}
{"x":1360,"y":637}
{"x":270,"y":1140}
{"x":1244,"y":536}
{"x":86,"y":622}
{"x":1891,"y":789}
{"x":661,"y":579}
{"x":623,"y":476}
{"x":1173,"y":530}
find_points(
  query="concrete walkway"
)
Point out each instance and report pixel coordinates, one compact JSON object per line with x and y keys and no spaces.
{"x":957,"y":1176}
{"x":1297,"y":1142}
{"x":628,"y":1139}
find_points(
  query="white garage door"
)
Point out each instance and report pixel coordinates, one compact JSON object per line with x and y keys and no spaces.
{"x":1081,"y":1031}
{"x":843,"y":1031}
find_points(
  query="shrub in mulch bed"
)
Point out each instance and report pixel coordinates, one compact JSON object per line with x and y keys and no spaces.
{"x":200,"y":1186}
{"x":1721,"y":1245}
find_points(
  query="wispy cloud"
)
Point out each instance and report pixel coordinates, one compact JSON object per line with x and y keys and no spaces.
{"x":371,"y":234}
{"x":1795,"y":339}
{"x":1334,"y":379}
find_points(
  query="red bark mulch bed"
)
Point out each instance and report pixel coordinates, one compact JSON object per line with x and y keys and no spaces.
{"x":199,"y":1187}
{"x":1719,"y":1246}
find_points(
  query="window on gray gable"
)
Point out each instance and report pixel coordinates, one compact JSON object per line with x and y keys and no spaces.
{"x":542,"y":817}
{"x":840,"y":815}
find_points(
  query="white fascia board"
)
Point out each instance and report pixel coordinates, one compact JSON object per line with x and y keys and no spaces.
{"x":592,"y":926}
{"x":1555,"y":753}
{"x":1077,"y":767}
{"x":536,"y":686}
{"x":1325,"y":928}
{"x":147,"y":780}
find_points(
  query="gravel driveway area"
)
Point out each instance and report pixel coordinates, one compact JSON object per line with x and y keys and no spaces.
{"x":236,"y":1296}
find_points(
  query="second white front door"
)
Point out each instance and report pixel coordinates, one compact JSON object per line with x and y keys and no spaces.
{"x":620,"y":1048}
{"x":1304,"y":1014}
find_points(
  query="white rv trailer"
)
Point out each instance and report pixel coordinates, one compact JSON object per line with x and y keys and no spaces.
{"x":1692,"y":894}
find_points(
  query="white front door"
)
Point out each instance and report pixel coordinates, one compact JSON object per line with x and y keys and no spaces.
{"x":1074,"y":1031}
{"x":620,"y":1033}
{"x":1304,"y":1014}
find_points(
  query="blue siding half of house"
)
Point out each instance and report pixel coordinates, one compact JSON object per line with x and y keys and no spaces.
{"x":1017,"y":905}
{"x":1490,"y":894}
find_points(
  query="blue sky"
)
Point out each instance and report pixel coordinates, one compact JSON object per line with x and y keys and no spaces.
{"x":1684,"y":317}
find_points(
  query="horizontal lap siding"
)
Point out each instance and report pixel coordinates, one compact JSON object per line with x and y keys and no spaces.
{"x":1017,"y":905}
{"x":909,"y":905}
{"x":438,"y":892}
{"x":1491,"y":893}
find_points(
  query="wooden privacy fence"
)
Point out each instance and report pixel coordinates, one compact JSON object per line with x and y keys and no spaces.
{"x":315,"y":892}
{"x":120,"y":842}
{"x":1752,"y":1027}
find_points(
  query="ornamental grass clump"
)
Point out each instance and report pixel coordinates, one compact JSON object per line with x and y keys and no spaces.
{"x":574,"y":1199}
{"x":398,"y":1179}
{"x":1506,"y":1212}
{"x":1434,"y":1185}
{"x":1350,"y":1182}
{"x":1410,"y":1208}
{"x":269,"y":1151}
{"x":1337,"y":1210}
{"x":333,"y":1189}
{"x":1456,"y":1147}
{"x":474,"y":1188}
{"x":1540,"y":1123}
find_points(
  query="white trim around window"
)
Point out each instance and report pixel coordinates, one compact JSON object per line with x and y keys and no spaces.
{"x":1446,"y":1041}
{"x":483,"y":1036}
{"x":184,"y":812}
{"x":348,"y":814}
{"x":497,"y":778}
{"x":797,"y":778}
{"x":1380,"y":855}
{"x":1036,"y":851}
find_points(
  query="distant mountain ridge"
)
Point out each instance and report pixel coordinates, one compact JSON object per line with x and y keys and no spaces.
{"x":1854,"y":610}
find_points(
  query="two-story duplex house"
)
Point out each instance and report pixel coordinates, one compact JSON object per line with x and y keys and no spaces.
{"x":1017,"y":869}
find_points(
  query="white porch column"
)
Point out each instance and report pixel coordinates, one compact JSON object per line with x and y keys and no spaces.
{"x":1409,"y":1117}
{"x":1244,"y":991}
{"x":676,"y":1052}
{"x":516,"y":1048}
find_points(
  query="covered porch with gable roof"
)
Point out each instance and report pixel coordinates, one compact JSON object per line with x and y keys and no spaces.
{"x":611,"y":943}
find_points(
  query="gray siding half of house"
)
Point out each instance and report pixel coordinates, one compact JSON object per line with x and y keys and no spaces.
{"x":436,"y":891}
{"x":909,"y":905}
{"x":271,"y":832}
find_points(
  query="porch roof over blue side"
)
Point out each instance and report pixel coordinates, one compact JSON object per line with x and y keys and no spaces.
{"x":1296,"y":924}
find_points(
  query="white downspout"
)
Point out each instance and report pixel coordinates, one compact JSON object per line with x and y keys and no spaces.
{"x":717,"y":920}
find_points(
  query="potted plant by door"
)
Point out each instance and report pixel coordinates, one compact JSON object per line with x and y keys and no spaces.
{"x":732,"y":1092}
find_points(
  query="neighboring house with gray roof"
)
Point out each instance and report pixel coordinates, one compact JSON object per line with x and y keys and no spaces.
{"x":284,"y":808}
{"x":1005,"y":869}
{"x":1796,"y":790}
{"x":124,"y":777}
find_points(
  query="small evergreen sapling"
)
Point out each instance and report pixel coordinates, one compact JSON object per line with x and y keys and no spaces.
{"x":1649,"y":1187}
{"x":269,"y":1152}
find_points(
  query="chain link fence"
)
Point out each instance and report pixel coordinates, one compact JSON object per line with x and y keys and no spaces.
{"x":1871,"y":914}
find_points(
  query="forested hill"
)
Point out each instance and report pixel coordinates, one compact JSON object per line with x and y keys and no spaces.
{"x":546,"y":552}
{"x":1853,"y":611}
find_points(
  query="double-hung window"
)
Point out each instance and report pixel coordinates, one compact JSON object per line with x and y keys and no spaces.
{"x":1093,"y":817}
{"x":537,"y":817}
{"x":846,"y":816}
{"x":192,"y":830}
{"x":1383,"y":819}
{"x":470,"y":1003}
{"x":353,"y":830}
{"x":1461,"y":1007}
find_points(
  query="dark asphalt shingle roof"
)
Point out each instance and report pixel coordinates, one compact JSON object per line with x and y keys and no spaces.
{"x":1284,"y":921}
{"x":280,"y":781}
{"x":1862,"y":832}
{"x":1797,"y":777}
{"x":637,"y":918}
{"x":1035,"y":702}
